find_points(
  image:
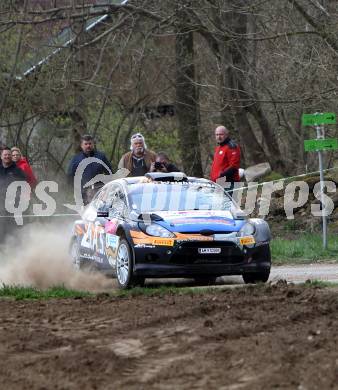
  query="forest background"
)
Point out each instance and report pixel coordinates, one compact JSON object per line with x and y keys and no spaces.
{"x":172,"y":70}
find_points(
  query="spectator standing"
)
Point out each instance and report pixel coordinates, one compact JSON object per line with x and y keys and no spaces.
{"x":9,"y":173}
{"x":227,"y":157}
{"x":138,"y":161}
{"x":92,"y":169}
{"x":163,"y":164}
{"x":22,"y":163}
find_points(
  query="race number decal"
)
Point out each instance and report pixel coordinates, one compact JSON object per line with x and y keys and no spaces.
{"x":93,"y":238}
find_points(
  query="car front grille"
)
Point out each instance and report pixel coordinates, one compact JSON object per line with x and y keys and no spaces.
{"x":187,"y":253}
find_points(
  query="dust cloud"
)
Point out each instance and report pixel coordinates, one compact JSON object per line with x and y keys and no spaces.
{"x":37,"y":256}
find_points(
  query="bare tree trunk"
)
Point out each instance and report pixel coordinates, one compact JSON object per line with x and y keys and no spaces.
{"x":78,"y":113}
{"x":7,"y":91}
{"x":274,"y":153}
{"x":242,"y":57}
{"x":253,"y":150}
{"x":233,"y":111}
{"x":186,"y":95}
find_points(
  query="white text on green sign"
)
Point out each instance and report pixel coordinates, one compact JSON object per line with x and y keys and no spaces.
{"x":313,"y":145}
{"x":328,"y":118}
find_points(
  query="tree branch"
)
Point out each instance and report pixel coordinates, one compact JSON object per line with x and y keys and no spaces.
{"x":320,"y":28}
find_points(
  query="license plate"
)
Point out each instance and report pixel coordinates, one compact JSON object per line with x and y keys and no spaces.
{"x":207,"y":251}
{"x":246,"y":240}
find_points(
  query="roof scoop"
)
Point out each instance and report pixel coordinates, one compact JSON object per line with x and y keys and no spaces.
{"x":167,"y":177}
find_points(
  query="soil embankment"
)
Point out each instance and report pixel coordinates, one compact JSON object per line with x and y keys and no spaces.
{"x":279,"y":336}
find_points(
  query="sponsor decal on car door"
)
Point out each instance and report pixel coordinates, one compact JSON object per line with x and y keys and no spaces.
{"x":93,"y":242}
{"x":112,"y":241}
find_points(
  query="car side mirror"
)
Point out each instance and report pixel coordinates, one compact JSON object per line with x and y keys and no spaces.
{"x":238,"y":213}
{"x":102,"y":213}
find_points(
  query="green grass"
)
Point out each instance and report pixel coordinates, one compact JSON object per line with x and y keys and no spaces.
{"x":19,"y":293}
{"x":319,"y":284}
{"x":32,"y":293}
{"x":304,"y":248}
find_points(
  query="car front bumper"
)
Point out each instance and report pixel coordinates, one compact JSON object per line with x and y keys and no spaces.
{"x":184,"y":260}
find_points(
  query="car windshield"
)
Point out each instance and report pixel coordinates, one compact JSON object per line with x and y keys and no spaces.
{"x":152,"y":197}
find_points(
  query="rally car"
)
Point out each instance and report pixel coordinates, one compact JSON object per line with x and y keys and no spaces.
{"x":169,"y":225}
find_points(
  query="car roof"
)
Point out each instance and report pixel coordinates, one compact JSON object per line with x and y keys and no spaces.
{"x":151,"y":179}
{"x":148,"y":178}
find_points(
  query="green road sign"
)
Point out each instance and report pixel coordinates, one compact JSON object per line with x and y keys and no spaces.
{"x":328,"y":118}
{"x":313,"y":145}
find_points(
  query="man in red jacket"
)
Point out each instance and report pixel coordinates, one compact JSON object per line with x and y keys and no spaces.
{"x":226,"y":158}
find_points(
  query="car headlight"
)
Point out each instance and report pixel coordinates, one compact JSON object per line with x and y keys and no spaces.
{"x":248,"y":229}
{"x":158,"y":231}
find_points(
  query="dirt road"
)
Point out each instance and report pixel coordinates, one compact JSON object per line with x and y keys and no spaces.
{"x":301,"y":273}
{"x":277,"y":336}
{"x":290,"y":273}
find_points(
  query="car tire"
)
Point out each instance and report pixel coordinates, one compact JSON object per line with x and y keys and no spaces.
{"x":74,"y":251}
{"x":256,"y":277}
{"x":77,"y":262}
{"x":260,"y":276}
{"x":205,"y":280}
{"x":125,"y":267}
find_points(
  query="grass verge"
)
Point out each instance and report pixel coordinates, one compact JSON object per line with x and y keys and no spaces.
{"x":31,"y":293}
{"x":19,"y":293}
{"x":305,"y":248}
{"x":319,"y":284}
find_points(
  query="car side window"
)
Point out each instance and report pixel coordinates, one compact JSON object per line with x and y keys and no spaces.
{"x":119,"y":204}
{"x":111,"y":196}
{"x":101,"y":199}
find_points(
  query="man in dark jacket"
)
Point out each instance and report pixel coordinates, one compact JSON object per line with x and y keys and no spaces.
{"x":226,"y":158}
{"x":92,"y":169}
{"x":9,"y":173}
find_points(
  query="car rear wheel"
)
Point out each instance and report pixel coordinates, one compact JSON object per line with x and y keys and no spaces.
{"x":256,"y":277}
{"x":75,"y":253}
{"x":77,"y":262}
{"x":125,"y":267}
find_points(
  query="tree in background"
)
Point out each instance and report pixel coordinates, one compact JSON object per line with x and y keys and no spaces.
{"x":178,"y":67}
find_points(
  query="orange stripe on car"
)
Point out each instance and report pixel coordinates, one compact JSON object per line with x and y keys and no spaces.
{"x":142,"y":238}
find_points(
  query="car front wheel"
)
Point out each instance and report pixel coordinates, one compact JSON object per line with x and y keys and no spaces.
{"x":125,"y":267}
{"x":256,"y":277}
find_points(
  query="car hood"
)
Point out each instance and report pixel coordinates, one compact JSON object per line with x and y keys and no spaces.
{"x":195,"y":221}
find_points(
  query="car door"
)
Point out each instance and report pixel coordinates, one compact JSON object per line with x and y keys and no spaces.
{"x":117,"y":208}
{"x":92,"y":243}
